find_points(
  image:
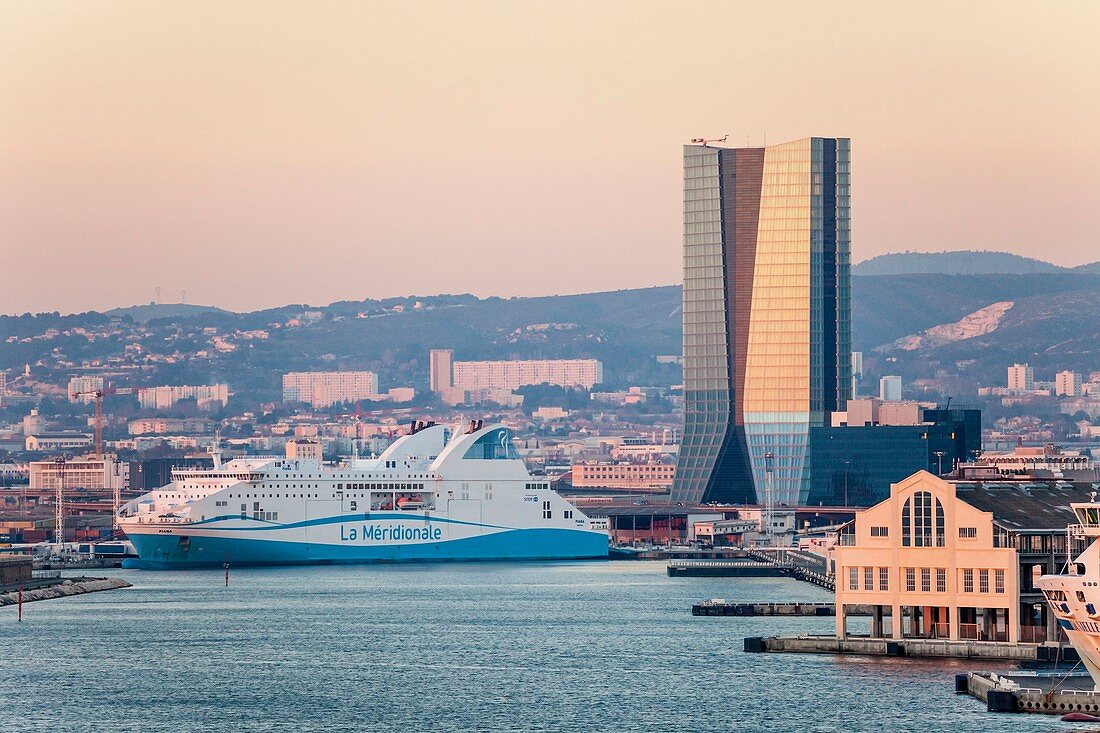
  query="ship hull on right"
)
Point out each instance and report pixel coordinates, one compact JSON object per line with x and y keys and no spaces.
{"x":1074,"y":596}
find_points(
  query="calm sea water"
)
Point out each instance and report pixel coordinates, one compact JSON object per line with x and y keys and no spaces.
{"x":572,"y":646}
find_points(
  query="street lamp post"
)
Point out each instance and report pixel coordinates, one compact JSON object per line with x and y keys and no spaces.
{"x":939,"y":464}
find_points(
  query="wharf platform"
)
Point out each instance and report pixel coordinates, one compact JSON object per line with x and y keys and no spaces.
{"x":722,"y":607}
{"x":727,"y":569}
{"x":868,"y":646}
{"x":46,"y":589}
{"x":1052,"y":693}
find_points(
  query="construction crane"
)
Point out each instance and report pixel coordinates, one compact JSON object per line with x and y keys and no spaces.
{"x":97,"y":396}
{"x":703,"y":141}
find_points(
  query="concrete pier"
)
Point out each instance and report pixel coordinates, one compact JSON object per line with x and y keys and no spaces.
{"x":62,"y":588}
{"x":722,"y":607}
{"x":1051,"y":694}
{"x":868,"y":646}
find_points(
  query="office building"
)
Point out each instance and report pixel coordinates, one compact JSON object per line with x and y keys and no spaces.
{"x":857,"y":371}
{"x":324,"y":389}
{"x":440,"y":369}
{"x":80,"y":389}
{"x":207,"y":397}
{"x":854,"y":464}
{"x":79,"y":473}
{"x":511,"y":375}
{"x":643,"y":477}
{"x":1021,"y":377}
{"x":1067,"y":384}
{"x":889,"y":388}
{"x":57,"y":441}
{"x":767,"y":315}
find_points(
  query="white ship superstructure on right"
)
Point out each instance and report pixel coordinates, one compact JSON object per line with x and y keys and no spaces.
{"x":1074,"y":596}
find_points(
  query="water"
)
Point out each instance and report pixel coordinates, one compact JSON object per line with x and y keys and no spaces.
{"x":471,"y":647}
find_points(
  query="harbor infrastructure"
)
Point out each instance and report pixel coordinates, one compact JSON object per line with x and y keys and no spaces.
{"x":1053,"y":694}
{"x":957,"y":560}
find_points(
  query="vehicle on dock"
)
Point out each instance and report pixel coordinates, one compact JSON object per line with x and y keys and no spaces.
{"x":435,"y":494}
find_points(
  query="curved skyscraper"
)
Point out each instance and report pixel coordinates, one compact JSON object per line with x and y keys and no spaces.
{"x":767,"y":315}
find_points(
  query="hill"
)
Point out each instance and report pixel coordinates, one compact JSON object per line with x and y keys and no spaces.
{"x":153,"y":311}
{"x":916,"y":325}
{"x":966,"y":262}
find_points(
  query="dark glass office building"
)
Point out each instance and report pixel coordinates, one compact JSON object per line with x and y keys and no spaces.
{"x":767,"y":315}
{"x":854,"y":466}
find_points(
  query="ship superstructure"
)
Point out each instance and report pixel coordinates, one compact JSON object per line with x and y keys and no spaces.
{"x":434,"y":494}
{"x":1074,"y":596}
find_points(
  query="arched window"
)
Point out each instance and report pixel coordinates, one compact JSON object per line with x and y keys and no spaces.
{"x":922,"y":521}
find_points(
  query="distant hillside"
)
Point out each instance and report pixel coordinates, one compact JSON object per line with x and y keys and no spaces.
{"x":916,"y":325}
{"x":153,"y":311}
{"x":1092,"y":268}
{"x":966,"y":262}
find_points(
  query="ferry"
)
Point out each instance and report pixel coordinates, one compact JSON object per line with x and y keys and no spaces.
{"x":1074,"y":596}
{"x":436,"y":494}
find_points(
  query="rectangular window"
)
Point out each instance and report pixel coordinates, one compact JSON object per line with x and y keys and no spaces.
{"x":853,"y":578}
{"x":968,"y":533}
{"x":884,"y":578}
{"x":941,"y":580}
{"x":983,"y":581}
{"x":925,"y":580}
{"x":546,"y":511}
{"x":999,"y":581}
{"x":880,"y":531}
{"x":968,"y":580}
{"x":868,"y":578}
{"x":910,"y":579}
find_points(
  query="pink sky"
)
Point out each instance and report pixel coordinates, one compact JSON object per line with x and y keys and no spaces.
{"x":256,"y":154}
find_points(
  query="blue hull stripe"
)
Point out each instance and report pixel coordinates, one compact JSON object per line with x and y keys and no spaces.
{"x":164,"y":552}
{"x":265,"y":524}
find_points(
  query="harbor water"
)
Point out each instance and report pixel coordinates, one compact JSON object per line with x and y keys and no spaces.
{"x":602,"y":646}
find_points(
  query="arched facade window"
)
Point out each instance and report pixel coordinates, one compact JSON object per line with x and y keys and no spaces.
{"x":922,"y":521}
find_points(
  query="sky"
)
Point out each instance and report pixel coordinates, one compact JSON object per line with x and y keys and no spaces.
{"x":258,"y":154}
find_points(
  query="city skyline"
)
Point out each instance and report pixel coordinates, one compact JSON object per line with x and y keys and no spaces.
{"x":190,"y":149}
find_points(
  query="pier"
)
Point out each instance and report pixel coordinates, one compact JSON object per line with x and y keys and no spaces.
{"x":877,"y":647}
{"x":721,"y":607}
{"x":42,"y":589}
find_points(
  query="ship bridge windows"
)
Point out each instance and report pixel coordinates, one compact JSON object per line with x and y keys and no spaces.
{"x":495,"y":445}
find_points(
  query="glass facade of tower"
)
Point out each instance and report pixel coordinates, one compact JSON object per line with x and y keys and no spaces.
{"x":767,"y":335}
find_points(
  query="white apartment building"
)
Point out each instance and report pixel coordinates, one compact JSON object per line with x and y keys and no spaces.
{"x":163,"y":398}
{"x":889,"y":388}
{"x":1067,"y":384}
{"x":441,"y":369}
{"x":1021,"y":377}
{"x":84,"y":384}
{"x":473,"y":375}
{"x":324,"y":389}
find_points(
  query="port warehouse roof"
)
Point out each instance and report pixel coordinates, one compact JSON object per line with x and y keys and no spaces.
{"x":1024,"y":505}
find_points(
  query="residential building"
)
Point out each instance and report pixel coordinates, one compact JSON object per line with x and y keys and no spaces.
{"x":1067,"y":384}
{"x":169,"y":425}
{"x":957,"y":560}
{"x":207,"y":397}
{"x":1021,"y":377}
{"x":889,"y":388}
{"x":81,"y":387}
{"x":767,"y":315}
{"x":511,"y":375}
{"x":623,"y":476}
{"x":440,"y":369}
{"x":324,"y":389}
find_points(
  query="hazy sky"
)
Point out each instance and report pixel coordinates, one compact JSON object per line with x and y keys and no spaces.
{"x":255,"y":154}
